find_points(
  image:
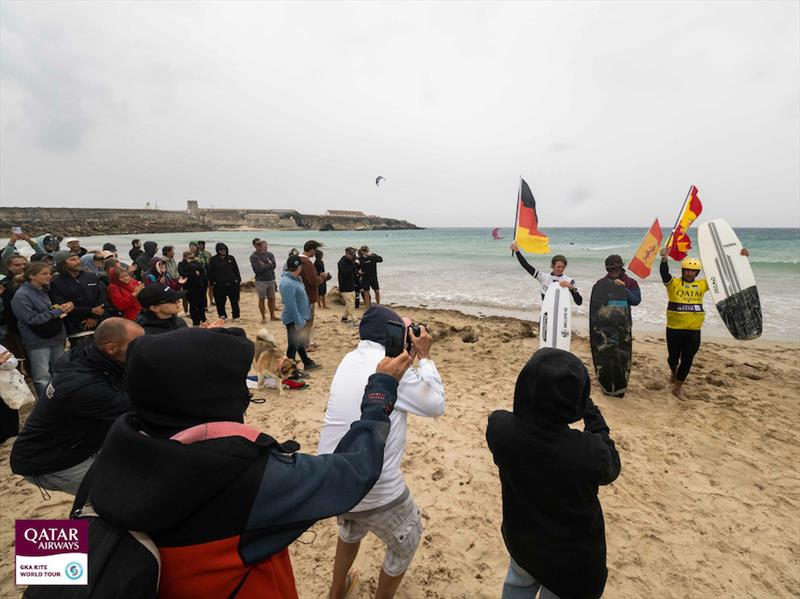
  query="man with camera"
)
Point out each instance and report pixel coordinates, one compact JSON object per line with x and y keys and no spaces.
{"x":388,"y":511}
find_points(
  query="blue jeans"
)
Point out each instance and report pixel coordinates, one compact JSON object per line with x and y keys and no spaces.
{"x":42,"y":363}
{"x":67,"y":480}
{"x":521,"y":585}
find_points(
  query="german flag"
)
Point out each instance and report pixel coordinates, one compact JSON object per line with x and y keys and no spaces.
{"x":642,"y":261}
{"x":526,"y":231}
{"x":679,"y":242}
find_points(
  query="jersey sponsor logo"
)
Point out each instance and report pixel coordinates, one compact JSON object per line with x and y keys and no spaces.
{"x":678,"y":307}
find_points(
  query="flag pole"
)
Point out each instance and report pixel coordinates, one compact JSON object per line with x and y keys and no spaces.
{"x":671,"y":239}
{"x":516,"y":212}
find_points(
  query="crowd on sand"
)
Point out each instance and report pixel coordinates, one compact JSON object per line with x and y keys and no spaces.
{"x":144,"y":415}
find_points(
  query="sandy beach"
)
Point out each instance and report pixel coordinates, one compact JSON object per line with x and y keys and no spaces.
{"x":707,"y":504}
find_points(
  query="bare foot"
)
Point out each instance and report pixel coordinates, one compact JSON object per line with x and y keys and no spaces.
{"x":676,"y":390}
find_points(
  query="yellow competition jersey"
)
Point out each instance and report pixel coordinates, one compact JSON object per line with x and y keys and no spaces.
{"x":685,"y":307}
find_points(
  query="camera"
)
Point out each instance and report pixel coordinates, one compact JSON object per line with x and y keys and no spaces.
{"x":398,"y":337}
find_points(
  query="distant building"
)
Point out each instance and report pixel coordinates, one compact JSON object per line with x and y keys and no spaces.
{"x":352,"y":213}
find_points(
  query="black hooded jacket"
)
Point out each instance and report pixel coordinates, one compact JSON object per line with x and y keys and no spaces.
{"x":240,"y":489}
{"x":223,"y":270}
{"x":552,"y":520}
{"x":70,"y":423}
{"x":143,"y":259}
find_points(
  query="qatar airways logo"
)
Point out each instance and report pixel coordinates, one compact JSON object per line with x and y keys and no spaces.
{"x":52,"y":552}
{"x":53,"y":538}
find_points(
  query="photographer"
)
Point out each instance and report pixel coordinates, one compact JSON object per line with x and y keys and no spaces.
{"x":552,"y":521}
{"x":388,"y":511}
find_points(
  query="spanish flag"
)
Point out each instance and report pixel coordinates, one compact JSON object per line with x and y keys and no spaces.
{"x":526,"y":231}
{"x":679,"y":243}
{"x":642,"y":261}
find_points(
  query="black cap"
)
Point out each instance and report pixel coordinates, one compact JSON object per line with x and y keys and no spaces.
{"x":293,"y":262}
{"x":157,"y":293}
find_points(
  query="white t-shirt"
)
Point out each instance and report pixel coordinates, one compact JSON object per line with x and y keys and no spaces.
{"x":547,"y":278}
{"x":420,"y":392}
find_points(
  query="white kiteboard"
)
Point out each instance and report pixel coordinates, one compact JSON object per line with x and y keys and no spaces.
{"x":555,"y":319}
{"x":730,"y":279}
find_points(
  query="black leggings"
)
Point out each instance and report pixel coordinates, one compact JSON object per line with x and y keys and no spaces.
{"x":682,"y":345}
{"x":223,"y":292}
{"x":296,"y":344}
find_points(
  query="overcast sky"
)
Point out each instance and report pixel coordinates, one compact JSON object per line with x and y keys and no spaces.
{"x":610,"y":111}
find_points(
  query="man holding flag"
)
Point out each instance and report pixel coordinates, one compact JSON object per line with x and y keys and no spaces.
{"x":685,"y":313}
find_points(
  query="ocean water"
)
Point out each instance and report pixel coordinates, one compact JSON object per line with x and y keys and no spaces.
{"x":467,"y":270}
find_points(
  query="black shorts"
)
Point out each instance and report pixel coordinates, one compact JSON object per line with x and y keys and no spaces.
{"x":367,"y":284}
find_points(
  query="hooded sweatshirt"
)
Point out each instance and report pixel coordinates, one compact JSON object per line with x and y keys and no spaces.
{"x":194,"y":273}
{"x":223,"y":270}
{"x":143,"y":259}
{"x":220,"y":499}
{"x":552,"y":521}
{"x":89,"y":265}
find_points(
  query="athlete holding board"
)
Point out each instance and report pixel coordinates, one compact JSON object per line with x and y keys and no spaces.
{"x":685,"y":315}
{"x":552,"y":315}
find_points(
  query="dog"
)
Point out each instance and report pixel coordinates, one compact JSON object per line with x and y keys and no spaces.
{"x":271,"y":361}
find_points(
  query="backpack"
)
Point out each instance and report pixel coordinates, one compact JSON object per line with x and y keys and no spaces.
{"x":122,"y":563}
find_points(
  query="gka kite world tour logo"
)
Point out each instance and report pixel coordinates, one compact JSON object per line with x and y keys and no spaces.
{"x":52,"y":552}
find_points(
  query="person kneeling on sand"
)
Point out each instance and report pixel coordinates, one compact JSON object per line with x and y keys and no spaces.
{"x":222,"y":500}
{"x":388,"y":511}
{"x":552,"y":521}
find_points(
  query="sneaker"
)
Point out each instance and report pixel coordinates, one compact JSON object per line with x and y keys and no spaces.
{"x":311,"y":366}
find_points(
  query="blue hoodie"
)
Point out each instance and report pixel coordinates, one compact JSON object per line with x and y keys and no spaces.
{"x":295,"y":301}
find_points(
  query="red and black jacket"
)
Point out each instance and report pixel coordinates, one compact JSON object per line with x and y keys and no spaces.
{"x":223,"y":501}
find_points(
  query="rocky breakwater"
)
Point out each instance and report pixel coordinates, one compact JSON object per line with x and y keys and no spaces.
{"x":82,"y":222}
{"x":351,"y":223}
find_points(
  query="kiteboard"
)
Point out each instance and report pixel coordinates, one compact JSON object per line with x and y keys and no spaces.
{"x":555,"y":318}
{"x":610,"y":336}
{"x":730,"y":279}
